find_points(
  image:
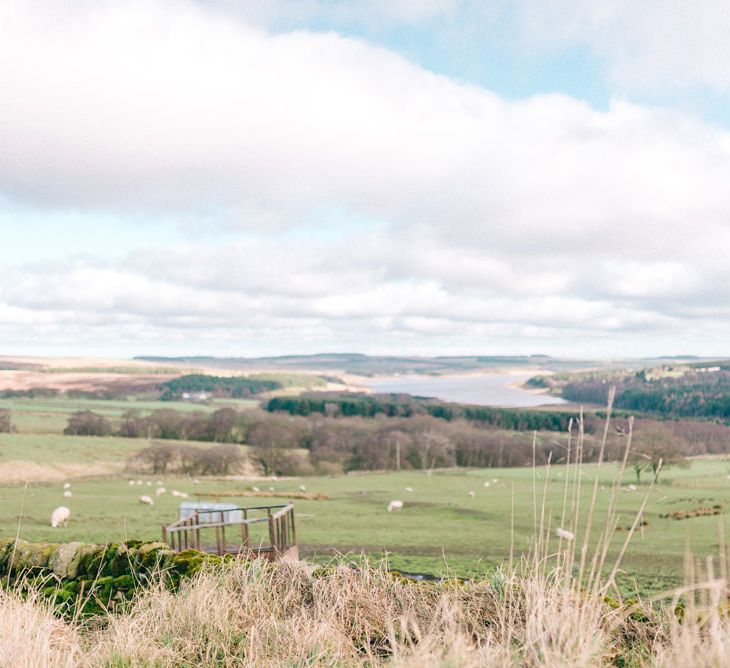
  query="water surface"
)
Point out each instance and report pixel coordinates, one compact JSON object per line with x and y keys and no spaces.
{"x":484,"y":389}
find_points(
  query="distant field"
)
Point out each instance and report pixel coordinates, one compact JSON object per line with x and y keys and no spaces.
{"x":440,"y":528}
{"x":50,"y":415}
{"x":53,"y":457}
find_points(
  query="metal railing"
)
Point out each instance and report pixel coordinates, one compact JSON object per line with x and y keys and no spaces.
{"x":210,"y":531}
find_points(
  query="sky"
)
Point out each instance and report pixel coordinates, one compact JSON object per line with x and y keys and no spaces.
{"x":441,"y":177}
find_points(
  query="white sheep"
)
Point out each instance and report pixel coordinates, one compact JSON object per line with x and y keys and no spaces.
{"x":271,"y":489}
{"x":159,"y":483}
{"x":60,"y":516}
{"x":303,"y":488}
{"x":139,"y":482}
{"x":471,"y":495}
{"x":160,"y":491}
{"x":130,"y":482}
{"x":487,"y":483}
{"x":395,"y":505}
{"x":632,"y":488}
{"x":68,"y":494}
{"x":149,"y":483}
{"x":67,"y":485}
{"x":147,"y":500}
{"x":565,"y":534}
{"x":255,"y":489}
{"x":409,"y":490}
{"x":182,"y":495}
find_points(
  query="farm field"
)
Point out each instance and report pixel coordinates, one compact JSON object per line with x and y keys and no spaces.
{"x":50,"y":415}
{"x":441,"y":529}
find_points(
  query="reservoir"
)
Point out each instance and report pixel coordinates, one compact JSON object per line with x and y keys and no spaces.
{"x":484,"y":389}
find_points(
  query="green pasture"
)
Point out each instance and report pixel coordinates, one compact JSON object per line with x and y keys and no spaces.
{"x":40,"y":415}
{"x":440,"y":529}
{"x":57,"y":449}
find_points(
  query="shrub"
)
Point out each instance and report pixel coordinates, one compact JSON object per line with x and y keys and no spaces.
{"x":6,"y":422}
{"x":161,"y":458}
{"x":88,"y":423}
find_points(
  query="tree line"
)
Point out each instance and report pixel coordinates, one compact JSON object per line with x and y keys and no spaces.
{"x":285,"y":444}
{"x":403,"y":405}
{"x":225,"y":425}
{"x":182,"y":459}
{"x":230,"y":387}
{"x":696,"y":394}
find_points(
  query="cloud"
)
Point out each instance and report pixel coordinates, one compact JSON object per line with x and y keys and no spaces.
{"x":657,"y":45}
{"x":486,"y":223}
{"x":648,"y":48}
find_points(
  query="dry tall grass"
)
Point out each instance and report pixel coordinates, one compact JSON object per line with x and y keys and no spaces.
{"x":289,"y":614}
{"x":556,"y":607}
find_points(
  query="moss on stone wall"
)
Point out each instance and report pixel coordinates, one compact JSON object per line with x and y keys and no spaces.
{"x":86,"y":579}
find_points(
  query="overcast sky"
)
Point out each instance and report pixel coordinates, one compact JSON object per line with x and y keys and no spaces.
{"x":385,"y":176}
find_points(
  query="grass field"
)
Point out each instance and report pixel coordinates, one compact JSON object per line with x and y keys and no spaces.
{"x":440,"y":529}
{"x":50,"y":415}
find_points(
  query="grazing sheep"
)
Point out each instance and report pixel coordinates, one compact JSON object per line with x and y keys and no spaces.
{"x":409,"y":489}
{"x":139,"y":482}
{"x":565,"y":534}
{"x":182,"y":495}
{"x":149,"y":483}
{"x":271,"y":489}
{"x":303,"y":488}
{"x":632,"y":488}
{"x":67,"y":485}
{"x":68,"y":494}
{"x":471,"y":495}
{"x":160,"y":491}
{"x":146,"y":500}
{"x":130,"y":482}
{"x":494,"y":480}
{"x":255,"y":489}
{"x":395,"y":505}
{"x":59,"y":517}
{"x":159,"y":483}
{"x":486,"y":483}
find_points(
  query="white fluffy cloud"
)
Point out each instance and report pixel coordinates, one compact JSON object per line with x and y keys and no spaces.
{"x":488,"y":224}
{"x":653,"y":44}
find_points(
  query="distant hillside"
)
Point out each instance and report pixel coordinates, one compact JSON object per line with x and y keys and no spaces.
{"x":215,"y":386}
{"x":366,"y":365}
{"x":695,"y":390}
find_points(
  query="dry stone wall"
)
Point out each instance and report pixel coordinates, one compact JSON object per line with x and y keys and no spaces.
{"x":85,"y":579}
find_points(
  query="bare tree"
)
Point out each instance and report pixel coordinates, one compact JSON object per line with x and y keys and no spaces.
{"x":655,"y":445}
{"x":6,"y":422}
